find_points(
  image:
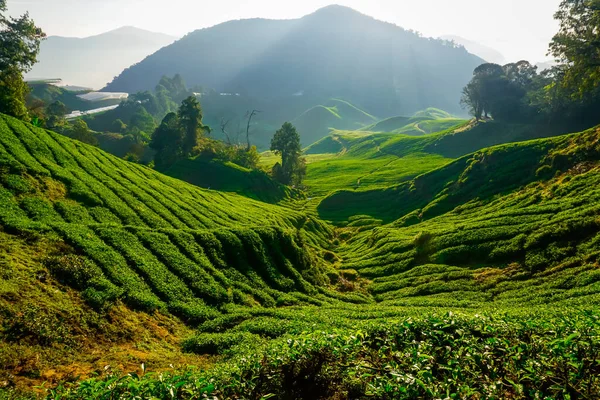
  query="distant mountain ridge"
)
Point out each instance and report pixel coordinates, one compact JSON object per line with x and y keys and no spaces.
{"x":94,"y":61}
{"x":480,"y":50}
{"x":335,"y":52}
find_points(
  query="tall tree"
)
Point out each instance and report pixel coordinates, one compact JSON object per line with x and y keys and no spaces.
{"x":19,"y":46}
{"x":56,"y":112}
{"x":471,"y":99}
{"x":286,"y":142}
{"x":250,"y":116}
{"x":80,"y":131}
{"x":167,"y":140}
{"x":190,"y":118}
{"x":577,"y":43}
{"x":500,"y":91}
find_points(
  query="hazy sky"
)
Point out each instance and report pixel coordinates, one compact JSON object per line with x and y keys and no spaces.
{"x":519,"y":29}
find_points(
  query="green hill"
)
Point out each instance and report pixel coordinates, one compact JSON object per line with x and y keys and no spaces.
{"x":388,"y":124}
{"x":318,"y":121}
{"x":379,"y":160}
{"x":432,"y":113}
{"x":423,"y":122}
{"x":502,"y":269}
{"x":109,"y":263}
{"x":427,"y":126}
{"x":365,"y":161}
{"x":230,"y":177}
{"x":146,"y":236}
{"x":480,"y":175}
{"x":512,"y":225}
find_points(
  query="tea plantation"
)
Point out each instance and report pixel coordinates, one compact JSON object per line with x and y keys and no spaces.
{"x":445,"y":276}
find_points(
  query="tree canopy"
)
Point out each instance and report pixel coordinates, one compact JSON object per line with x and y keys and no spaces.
{"x":167,"y":140}
{"x":500,"y":91}
{"x":190,"y":118}
{"x":577,"y":44}
{"x":19,"y":47}
{"x":286,"y":142}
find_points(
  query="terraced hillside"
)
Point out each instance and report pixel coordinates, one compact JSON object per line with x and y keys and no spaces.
{"x":478,"y":279}
{"x":423,"y":122}
{"x":150,"y":240}
{"x":230,"y":177}
{"x":381,"y":160}
{"x":512,"y":224}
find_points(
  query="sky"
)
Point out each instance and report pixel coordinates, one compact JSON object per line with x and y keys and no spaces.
{"x":519,"y":29}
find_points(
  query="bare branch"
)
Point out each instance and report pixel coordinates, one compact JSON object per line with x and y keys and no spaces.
{"x":252,"y":114}
{"x":224,"y":129}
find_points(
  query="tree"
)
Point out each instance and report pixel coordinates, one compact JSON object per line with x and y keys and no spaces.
{"x":36,"y":109}
{"x":142,"y":120}
{"x":250,"y":116}
{"x":190,"y":119}
{"x":500,"y":91}
{"x":167,"y":141}
{"x":175,"y":86}
{"x":577,"y":44}
{"x":58,"y":109}
{"x":80,"y":131}
{"x":286,"y":142}
{"x":19,"y":46}
{"x":471,"y":99}
{"x":118,"y":126}
{"x":56,"y":113}
{"x":478,"y":93}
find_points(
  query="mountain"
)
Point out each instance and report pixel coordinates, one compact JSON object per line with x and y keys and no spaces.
{"x":93,"y":61}
{"x":487,"y":53}
{"x":335,"y":52}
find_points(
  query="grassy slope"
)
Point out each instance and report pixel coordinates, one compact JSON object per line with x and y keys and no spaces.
{"x":482,"y":174}
{"x":316,"y":122}
{"x":229,"y":177}
{"x":517,"y":225}
{"x":383,"y":160}
{"x":151,"y":242}
{"x":492,"y":242}
{"x":50,"y":335}
{"x":367,"y":161}
{"x":421,"y":123}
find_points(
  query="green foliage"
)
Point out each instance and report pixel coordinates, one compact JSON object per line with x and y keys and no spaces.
{"x":480,"y":175}
{"x":230,"y":177}
{"x":190,"y":118}
{"x":286,"y":142}
{"x":316,"y":122}
{"x":142,"y":237}
{"x":501,"y":91}
{"x":426,"y":356}
{"x":167,"y":140}
{"x":12,"y":93}
{"x":216,"y":343}
{"x":80,"y":131}
{"x":577,"y":44}
{"x":19,"y":47}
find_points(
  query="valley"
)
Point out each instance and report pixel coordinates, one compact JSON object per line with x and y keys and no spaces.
{"x":323,"y":207}
{"x":245,"y":273}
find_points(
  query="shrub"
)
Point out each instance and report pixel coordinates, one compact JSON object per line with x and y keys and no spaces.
{"x":216,"y":343}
